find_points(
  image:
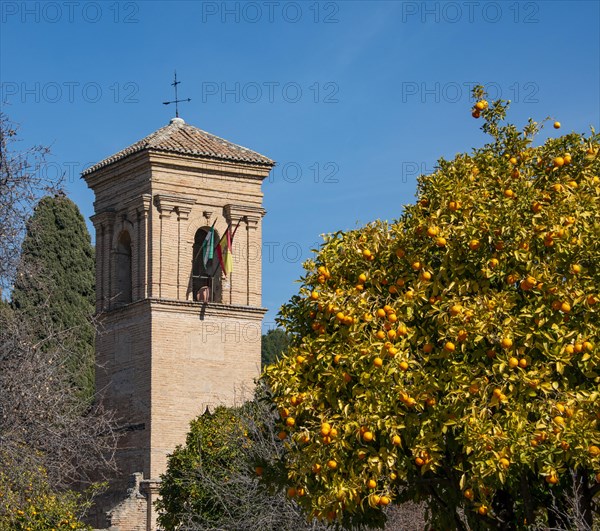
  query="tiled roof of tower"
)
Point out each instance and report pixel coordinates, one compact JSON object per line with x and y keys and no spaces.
{"x":179,"y":137}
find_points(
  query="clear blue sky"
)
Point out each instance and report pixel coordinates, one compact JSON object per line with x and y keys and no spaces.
{"x":352,"y":99}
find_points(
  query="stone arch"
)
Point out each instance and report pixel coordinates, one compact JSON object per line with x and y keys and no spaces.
{"x":206,"y":269}
{"x":123,"y":269}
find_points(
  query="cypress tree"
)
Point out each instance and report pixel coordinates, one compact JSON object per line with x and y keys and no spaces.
{"x":274,"y":343}
{"x":54,"y":287}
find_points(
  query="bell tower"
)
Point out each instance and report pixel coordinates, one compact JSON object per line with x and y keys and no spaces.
{"x":178,"y":295}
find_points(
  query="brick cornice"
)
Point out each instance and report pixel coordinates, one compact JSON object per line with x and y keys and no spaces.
{"x":169,"y":203}
{"x":102,"y":218}
{"x":210,"y":309}
{"x":248,"y":213}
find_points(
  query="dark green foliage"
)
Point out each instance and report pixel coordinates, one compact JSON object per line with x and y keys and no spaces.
{"x":274,"y":343}
{"x":213,"y":445}
{"x":55,"y":285}
{"x":225,"y":475}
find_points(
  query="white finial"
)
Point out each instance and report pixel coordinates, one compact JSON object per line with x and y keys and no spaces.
{"x":178,"y":121}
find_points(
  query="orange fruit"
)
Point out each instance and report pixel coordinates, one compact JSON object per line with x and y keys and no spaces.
{"x":482,"y":510}
{"x":588,"y":346}
{"x":556,"y":125}
{"x":522,"y":363}
{"x":403,"y":365}
{"x":367,"y":436}
{"x":325,"y":428}
{"x":504,"y":463}
{"x":570,"y":349}
{"x":506,"y":342}
{"x":378,"y":362}
{"x":449,"y":346}
{"x":371,"y":483}
{"x":558,"y":162}
{"x":316,"y":468}
{"x":594,"y":450}
{"x":440,"y":241}
{"x":469,"y":494}
{"x":513,"y":362}
{"x":332,"y":464}
{"x":290,"y":421}
{"x":259,"y":470}
{"x":384,"y":500}
{"x":396,"y":440}
{"x":455,"y":309}
{"x":428,"y":348}
{"x":565,"y":307}
{"x":474,"y":245}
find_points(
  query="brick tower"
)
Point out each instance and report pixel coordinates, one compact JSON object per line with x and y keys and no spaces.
{"x":177,"y":333}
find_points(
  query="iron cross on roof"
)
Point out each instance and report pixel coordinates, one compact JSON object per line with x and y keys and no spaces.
{"x":175,"y":101}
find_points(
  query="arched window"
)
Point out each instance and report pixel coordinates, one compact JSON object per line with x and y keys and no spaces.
{"x":123,"y":269}
{"x":206,"y":270}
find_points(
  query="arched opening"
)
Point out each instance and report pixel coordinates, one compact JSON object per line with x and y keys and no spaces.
{"x":206,"y":270}
{"x":123,"y":269}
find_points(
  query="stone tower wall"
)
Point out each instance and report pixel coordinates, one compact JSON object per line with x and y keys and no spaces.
{"x":163,"y":357}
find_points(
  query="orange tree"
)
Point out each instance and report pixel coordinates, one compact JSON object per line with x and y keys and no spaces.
{"x":28,"y":502}
{"x":453,"y":355}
